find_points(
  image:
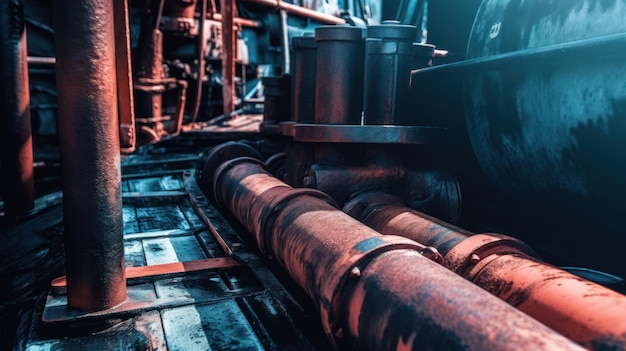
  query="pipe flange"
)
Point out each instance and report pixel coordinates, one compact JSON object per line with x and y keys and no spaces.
{"x":225,"y":167}
{"x":272,"y":210}
{"x":361,"y":205}
{"x":468,"y":253}
{"x":350,"y":267}
{"x":210,"y":161}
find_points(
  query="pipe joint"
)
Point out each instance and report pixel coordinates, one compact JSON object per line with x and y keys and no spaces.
{"x":361,"y":205}
{"x":347,"y":270}
{"x":215,"y":157}
{"x":471,"y":251}
{"x":276,"y":205}
{"x":228,"y":165}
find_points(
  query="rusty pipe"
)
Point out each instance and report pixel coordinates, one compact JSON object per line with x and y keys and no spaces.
{"x":16,"y":147}
{"x":585,"y":312}
{"x":201,"y":59}
{"x":242,"y":22}
{"x":298,"y":10}
{"x":229,"y":55}
{"x":373,"y":291}
{"x":126,"y":99}
{"x":89,"y":143}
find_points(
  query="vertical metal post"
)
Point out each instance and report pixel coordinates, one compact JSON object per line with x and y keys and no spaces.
{"x":228,"y":55}
{"x":284,"y":41}
{"x":124,"y":76}
{"x":16,"y":148}
{"x":89,"y":140}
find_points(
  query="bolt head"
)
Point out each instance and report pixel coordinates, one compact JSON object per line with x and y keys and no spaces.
{"x":474,"y":258}
{"x":355,"y":272}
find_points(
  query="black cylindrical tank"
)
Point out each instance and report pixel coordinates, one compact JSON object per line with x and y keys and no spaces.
{"x":388,"y":59}
{"x":552,"y":131}
{"x":339,"y":84}
{"x":277,"y":106}
{"x":303,"y":80}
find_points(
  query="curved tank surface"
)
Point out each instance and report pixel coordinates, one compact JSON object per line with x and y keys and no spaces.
{"x":553,"y":126}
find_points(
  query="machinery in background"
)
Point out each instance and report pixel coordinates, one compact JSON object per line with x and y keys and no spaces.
{"x":374,"y":150}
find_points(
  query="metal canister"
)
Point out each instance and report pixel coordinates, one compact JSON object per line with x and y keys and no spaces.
{"x":303,"y":79}
{"x":277,"y":106}
{"x":339,"y":82}
{"x":388,"y":60}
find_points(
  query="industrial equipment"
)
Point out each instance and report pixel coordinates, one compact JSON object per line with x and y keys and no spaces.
{"x":344,"y":174}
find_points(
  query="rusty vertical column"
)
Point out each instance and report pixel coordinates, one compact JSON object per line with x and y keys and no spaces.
{"x":89,"y":140}
{"x":228,"y":55}
{"x":16,"y":148}
{"x":124,"y":76}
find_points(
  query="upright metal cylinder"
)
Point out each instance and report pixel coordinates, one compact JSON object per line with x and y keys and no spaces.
{"x":339,"y":83}
{"x":149,"y":87}
{"x":587,"y":313}
{"x":377,"y":292}
{"x":277,"y":105}
{"x":304,"y":75}
{"x":16,"y":148}
{"x":89,"y":140}
{"x":388,"y":59}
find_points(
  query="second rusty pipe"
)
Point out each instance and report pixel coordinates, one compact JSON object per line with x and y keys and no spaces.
{"x":373,"y":291}
{"x":588,"y":313}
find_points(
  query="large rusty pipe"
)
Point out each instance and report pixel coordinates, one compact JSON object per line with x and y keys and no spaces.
{"x":16,"y":148}
{"x":587,"y":313}
{"x":89,"y":142}
{"x":373,"y":291}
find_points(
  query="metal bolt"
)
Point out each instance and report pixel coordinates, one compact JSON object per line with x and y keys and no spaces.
{"x":474,"y":258}
{"x":432,"y":254}
{"x":355,"y":272}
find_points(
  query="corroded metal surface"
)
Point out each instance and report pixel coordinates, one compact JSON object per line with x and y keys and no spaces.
{"x":387,"y":213}
{"x":586,"y":312}
{"x":229,"y":55}
{"x":124,"y":76}
{"x":370,"y":289}
{"x":89,"y":141}
{"x":581,"y":310}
